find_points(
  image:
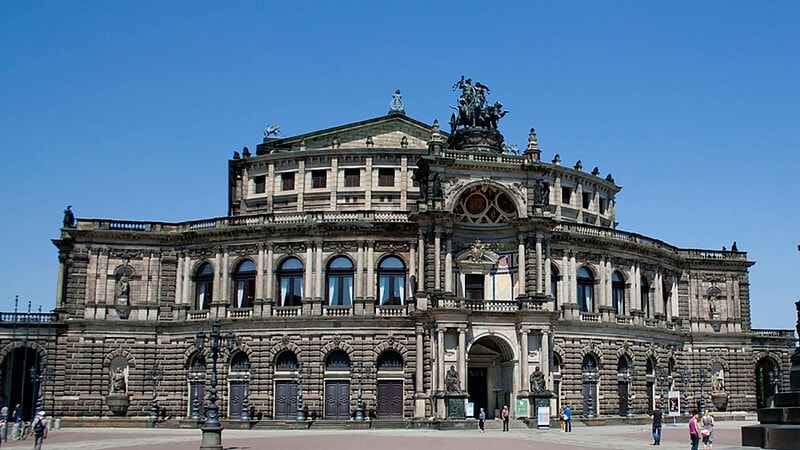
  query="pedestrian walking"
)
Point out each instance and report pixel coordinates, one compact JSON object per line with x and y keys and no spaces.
{"x":504,"y":416}
{"x":482,"y":420}
{"x":568,"y":419}
{"x":694,"y":434}
{"x":657,"y":421}
{"x":39,"y":430}
{"x":707,"y":430}
{"x":16,"y":416}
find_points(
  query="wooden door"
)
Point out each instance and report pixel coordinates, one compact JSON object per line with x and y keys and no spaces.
{"x":623,"y":398}
{"x":390,"y":400}
{"x":337,"y":400}
{"x":237,"y":391}
{"x":285,"y":400}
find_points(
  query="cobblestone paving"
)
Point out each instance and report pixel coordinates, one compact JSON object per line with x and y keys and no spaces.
{"x":727,"y":437}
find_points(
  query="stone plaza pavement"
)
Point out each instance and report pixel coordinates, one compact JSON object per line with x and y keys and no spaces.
{"x":727,"y":437}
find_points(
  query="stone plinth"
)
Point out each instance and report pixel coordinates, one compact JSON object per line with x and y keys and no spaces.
{"x":538,"y":400}
{"x":455,"y":403}
{"x":118,"y":404}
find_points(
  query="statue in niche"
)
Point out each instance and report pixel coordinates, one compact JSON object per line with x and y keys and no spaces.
{"x":541,"y":194}
{"x":718,"y":381}
{"x":451,"y":381}
{"x":712,"y":305}
{"x":118,"y":384}
{"x":537,"y":381}
{"x":124,"y":287}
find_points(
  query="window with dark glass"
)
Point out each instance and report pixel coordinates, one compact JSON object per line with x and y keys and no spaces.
{"x":340,"y":282}
{"x":554,"y":279}
{"x":240,"y":362}
{"x":203,"y":287}
{"x":319,"y":179}
{"x":390,"y":360}
{"x":391,"y":281}
{"x":585,"y":290}
{"x":261,"y":184}
{"x":645,"y":297}
{"x":587,"y":199}
{"x":618,"y":293}
{"x":602,"y":205}
{"x":337,"y":360}
{"x":287,"y":360}
{"x":244,"y":282}
{"x":352,"y":177}
{"x":473,"y":286}
{"x":287,"y":181}
{"x":566,"y":195}
{"x":290,"y":282}
{"x":385,"y":177}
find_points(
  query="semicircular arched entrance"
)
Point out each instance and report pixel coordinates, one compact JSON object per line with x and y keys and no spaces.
{"x":490,"y":374}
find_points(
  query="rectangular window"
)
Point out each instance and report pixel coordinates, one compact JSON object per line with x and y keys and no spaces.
{"x":287,"y":181}
{"x":261,"y":184}
{"x":318,"y":179}
{"x":566,"y":195}
{"x":602,"y":205}
{"x":473,"y":286}
{"x":385,"y":177}
{"x":587,"y":199}
{"x":352,"y":177}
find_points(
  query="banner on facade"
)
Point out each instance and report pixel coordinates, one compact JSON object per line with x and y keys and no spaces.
{"x":543,"y":417}
{"x":674,"y":403}
{"x":522,"y":408}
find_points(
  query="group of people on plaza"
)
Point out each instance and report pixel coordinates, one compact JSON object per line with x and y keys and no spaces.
{"x":700,"y":429}
{"x":38,"y":427}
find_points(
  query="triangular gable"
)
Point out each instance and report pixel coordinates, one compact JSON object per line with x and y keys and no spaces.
{"x":385,"y":132}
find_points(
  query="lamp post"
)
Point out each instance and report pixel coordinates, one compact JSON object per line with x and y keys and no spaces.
{"x":362,"y":371}
{"x":301,"y":373}
{"x":702,"y":379}
{"x":156,"y":373}
{"x":212,"y":430}
{"x":627,"y":377}
{"x":663,"y":375}
{"x":245,"y":417}
{"x":37,"y":377}
{"x":686,"y":378}
{"x":775,"y":376}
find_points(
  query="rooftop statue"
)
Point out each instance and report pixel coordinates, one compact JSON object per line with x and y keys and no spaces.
{"x":396,"y":105}
{"x":472,"y":110}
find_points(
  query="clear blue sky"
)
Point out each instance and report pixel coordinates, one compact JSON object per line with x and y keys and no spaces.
{"x":130,"y":110}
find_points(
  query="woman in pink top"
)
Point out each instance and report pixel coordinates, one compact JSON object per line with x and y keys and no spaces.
{"x":694,"y":434}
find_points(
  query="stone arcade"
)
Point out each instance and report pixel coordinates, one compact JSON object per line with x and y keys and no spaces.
{"x":358,"y":265}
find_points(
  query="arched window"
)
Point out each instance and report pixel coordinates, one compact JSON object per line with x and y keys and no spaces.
{"x":337,"y":360}
{"x":390,"y":360}
{"x":244,"y":279}
{"x":645,"y":297}
{"x":340,"y":282}
{"x":618,"y":293}
{"x":623,"y":365}
{"x":240,"y":362}
{"x":585,"y":290}
{"x":391,"y":281}
{"x":555,"y":277}
{"x":290,"y":280}
{"x":203,"y":287}
{"x":589,"y":363}
{"x":285,"y":361}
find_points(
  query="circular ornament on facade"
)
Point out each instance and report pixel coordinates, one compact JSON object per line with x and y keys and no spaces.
{"x":505,"y":204}
{"x":476,"y":204}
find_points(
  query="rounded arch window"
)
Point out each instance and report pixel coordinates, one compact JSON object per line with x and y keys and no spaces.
{"x":589,"y":363}
{"x":286,"y":360}
{"x":244,"y":279}
{"x":391,"y":281}
{"x":340,"y":281}
{"x":337,"y":360}
{"x":240,"y":362}
{"x":623,"y":365}
{"x":585,"y":290}
{"x":645,"y":296}
{"x":650,"y":367}
{"x":204,"y":286}
{"x":618,"y":293}
{"x":485,"y":205}
{"x":556,"y":363}
{"x":390,"y":360}
{"x":290,"y":282}
{"x":198,"y":364}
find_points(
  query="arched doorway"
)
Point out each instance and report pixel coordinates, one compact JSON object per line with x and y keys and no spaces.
{"x":390,"y":386}
{"x":624,"y":381}
{"x":490,"y":375}
{"x":197,"y":387}
{"x":766,"y":371}
{"x":18,"y":384}
{"x":286,"y":380}
{"x":337,"y":385}
{"x":239,"y":386}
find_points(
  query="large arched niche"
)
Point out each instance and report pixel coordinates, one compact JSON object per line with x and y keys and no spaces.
{"x":490,"y":373}
{"x":483,"y":203}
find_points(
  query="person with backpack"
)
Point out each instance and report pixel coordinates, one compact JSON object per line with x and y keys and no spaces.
{"x":39,"y":430}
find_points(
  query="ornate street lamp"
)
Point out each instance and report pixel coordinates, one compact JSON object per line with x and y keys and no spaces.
{"x":302,"y":371}
{"x":38,"y":377}
{"x":156,"y":373}
{"x":663,"y":376}
{"x":627,"y":377}
{"x":702,"y":378}
{"x":361,"y":372}
{"x":212,"y":430}
{"x":775,"y":377}
{"x":686,"y":378}
{"x":246,"y":399}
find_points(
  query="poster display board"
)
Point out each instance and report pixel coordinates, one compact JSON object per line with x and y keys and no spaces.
{"x":674,"y":403}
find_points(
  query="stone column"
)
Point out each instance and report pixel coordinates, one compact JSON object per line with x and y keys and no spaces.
{"x":370,"y":282}
{"x":62,"y":270}
{"x":437,"y":258}
{"x":419,"y":402}
{"x":521,"y":263}
{"x":359,"y":281}
{"x":448,"y":265}
{"x":462,"y":357}
{"x":318,"y":289}
{"x":548,"y":271}
{"x":187,"y":280}
{"x":218,"y":269}
{"x":308,"y":288}
{"x":657,"y":300}
{"x":412,"y":269}
{"x":179,"y":276}
{"x":523,"y":361}
{"x":539,"y":288}
{"x":260,"y":273}
{"x":270,"y":275}
{"x":544,"y":358}
{"x":441,"y":365}
{"x":421,"y":261}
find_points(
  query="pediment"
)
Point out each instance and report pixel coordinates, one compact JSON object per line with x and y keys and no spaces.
{"x":392,"y":131}
{"x":478,"y":256}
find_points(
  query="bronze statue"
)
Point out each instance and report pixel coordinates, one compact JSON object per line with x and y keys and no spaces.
{"x":451,"y":381}
{"x":472,"y":110}
{"x":69,"y":218}
{"x":537,"y":381}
